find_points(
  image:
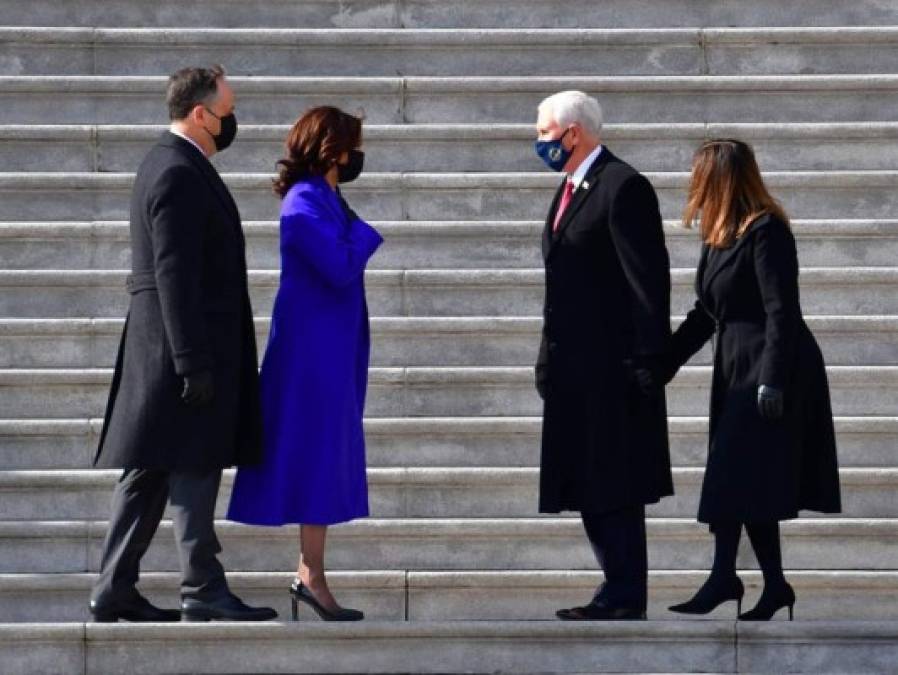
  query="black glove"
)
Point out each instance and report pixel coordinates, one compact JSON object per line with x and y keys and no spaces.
{"x":648,"y":373}
{"x":541,"y":383}
{"x":771,"y":402}
{"x":199,"y":388}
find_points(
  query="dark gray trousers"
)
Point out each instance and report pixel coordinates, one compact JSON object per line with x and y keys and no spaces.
{"x":138,"y":504}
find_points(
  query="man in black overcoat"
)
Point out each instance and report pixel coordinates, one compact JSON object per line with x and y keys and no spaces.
{"x":184,"y":400}
{"x":600,"y":368}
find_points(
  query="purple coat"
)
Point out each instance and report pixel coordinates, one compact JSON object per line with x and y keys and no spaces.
{"x":315,"y":371}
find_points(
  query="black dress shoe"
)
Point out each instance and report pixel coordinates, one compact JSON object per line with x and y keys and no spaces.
{"x":712,"y":594}
{"x":601,"y":611}
{"x":227,"y":608}
{"x":299,"y":592}
{"x":136,"y":609}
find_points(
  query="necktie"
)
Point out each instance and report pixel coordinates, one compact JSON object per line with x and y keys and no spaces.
{"x":563,"y":203}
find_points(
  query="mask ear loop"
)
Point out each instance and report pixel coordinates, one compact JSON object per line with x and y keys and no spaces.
{"x":211,"y":135}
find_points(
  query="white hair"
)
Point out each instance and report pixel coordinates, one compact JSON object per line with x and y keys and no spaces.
{"x":569,"y":107}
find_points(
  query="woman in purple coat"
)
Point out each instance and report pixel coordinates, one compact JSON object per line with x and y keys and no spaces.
{"x":315,"y":370}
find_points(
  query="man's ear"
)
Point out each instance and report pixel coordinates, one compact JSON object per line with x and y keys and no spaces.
{"x":575,"y":135}
{"x":198,"y":115}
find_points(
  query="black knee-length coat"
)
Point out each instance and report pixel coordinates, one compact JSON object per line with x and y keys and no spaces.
{"x":604,"y":443}
{"x":757,"y":469}
{"x":189,"y":312}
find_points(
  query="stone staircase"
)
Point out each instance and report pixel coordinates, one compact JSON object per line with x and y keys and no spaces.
{"x":455,"y":569}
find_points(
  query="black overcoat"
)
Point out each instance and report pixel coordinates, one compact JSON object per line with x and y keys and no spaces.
{"x":189,"y":312}
{"x":604,"y":443}
{"x":761,"y":470}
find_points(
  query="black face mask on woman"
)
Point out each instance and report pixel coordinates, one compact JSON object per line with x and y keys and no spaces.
{"x":348,"y":172}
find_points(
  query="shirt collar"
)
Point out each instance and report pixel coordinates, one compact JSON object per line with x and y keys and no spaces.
{"x":189,"y":140}
{"x":579,"y":175}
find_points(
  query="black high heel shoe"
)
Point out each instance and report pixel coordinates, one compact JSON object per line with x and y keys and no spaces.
{"x":300,"y":593}
{"x":711,"y":595}
{"x":772,"y":600}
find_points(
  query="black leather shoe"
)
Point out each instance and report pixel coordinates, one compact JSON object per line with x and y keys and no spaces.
{"x":712,"y":594}
{"x":600,"y":611}
{"x":227,"y":608}
{"x":136,"y":609}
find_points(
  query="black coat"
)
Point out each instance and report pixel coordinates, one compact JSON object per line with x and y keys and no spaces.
{"x":757,"y":469}
{"x":189,"y":312}
{"x":604,"y":443}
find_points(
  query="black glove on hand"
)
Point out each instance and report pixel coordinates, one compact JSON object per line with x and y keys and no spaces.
{"x":199,"y":389}
{"x":646,"y":372}
{"x":771,"y":402}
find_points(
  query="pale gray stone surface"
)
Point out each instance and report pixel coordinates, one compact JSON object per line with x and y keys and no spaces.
{"x":435,"y":13}
{"x":636,"y":98}
{"x":455,"y":565}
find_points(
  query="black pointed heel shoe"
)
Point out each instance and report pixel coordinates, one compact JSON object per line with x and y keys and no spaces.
{"x":300,"y":593}
{"x":772,"y":600}
{"x":711,"y":595}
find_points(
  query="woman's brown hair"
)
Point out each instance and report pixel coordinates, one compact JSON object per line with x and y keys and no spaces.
{"x":315,"y":143}
{"x":727,"y":192}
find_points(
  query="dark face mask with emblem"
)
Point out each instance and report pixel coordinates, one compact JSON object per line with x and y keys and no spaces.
{"x":553,"y":153}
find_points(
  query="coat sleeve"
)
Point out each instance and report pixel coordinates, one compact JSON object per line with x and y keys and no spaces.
{"x":310,"y":230}
{"x":776,"y":268}
{"x":638,"y":237}
{"x":691,"y":335}
{"x":177,"y":219}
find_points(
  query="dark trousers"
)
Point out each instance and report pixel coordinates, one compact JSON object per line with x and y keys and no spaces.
{"x":619,"y":543}
{"x":138,"y":504}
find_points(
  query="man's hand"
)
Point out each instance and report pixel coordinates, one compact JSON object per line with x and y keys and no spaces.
{"x":199,"y":389}
{"x":771,"y":402}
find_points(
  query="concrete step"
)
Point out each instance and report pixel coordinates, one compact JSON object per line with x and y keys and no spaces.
{"x":453,"y":544}
{"x":429,"y":492}
{"x":441,"y":196}
{"x":430,"y":244}
{"x":428,"y":392}
{"x":440,"y":13}
{"x":786,"y":146}
{"x":471,"y":647}
{"x":416,"y":341}
{"x":504,"y":595}
{"x":90,"y":99}
{"x":437,"y":441}
{"x":90,"y":293}
{"x":436,"y":52}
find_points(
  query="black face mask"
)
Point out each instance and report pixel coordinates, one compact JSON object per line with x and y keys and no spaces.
{"x":228,"y":130}
{"x":353,"y":168}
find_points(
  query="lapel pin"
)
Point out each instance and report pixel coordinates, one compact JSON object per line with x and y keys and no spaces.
{"x":584,"y":185}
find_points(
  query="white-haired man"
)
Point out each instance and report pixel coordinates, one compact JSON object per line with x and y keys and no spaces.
{"x":600,"y":368}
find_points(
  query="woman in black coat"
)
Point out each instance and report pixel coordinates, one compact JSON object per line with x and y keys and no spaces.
{"x":772,"y":449}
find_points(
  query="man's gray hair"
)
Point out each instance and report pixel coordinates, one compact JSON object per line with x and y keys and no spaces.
{"x":569,"y":107}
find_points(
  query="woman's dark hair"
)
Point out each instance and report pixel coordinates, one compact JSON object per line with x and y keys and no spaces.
{"x":315,"y":143}
{"x":727,"y":192}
